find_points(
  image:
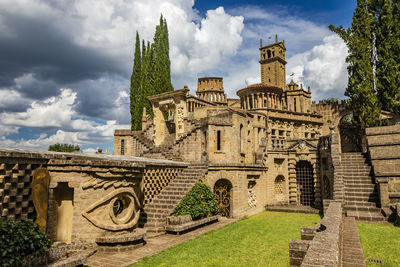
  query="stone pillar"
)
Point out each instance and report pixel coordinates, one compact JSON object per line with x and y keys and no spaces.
{"x":383,"y":188}
{"x":160,"y":128}
{"x":292,"y":181}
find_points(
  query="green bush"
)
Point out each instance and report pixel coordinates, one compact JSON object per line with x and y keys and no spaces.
{"x":200,"y":202}
{"x":19,"y":239}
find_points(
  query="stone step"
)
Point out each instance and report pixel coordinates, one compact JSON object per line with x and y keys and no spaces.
{"x":361,"y":203}
{"x":366,"y":216}
{"x":348,"y":183}
{"x":361,"y":194}
{"x":361,"y":208}
{"x":359,"y":188}
{"x":361,"y":198}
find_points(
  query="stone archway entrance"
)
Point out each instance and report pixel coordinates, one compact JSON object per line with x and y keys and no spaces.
{"x":350,"y":141}
{"x":222,"y":191}
{"x":305,"y":183}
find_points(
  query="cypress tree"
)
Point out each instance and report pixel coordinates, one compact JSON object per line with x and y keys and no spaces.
{"x":154,"y":75}
{"x":135,"y":81}
{"x":387,"y":67}
{"x":162,"y":64}
{"x":166,"y":79}
{"x":361,"y":85}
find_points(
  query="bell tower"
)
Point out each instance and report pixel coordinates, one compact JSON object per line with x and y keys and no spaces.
{"x":273,"y":63}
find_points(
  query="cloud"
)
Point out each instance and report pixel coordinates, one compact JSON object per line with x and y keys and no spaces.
{"x":323,"y":68}
{"x":65,"y":65}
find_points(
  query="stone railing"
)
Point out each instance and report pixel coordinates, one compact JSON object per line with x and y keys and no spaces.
{"x":338,"y":184}
{"x":320,"y":244}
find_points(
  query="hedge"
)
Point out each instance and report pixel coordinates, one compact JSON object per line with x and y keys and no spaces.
{"x":200,"y":202}
{"x":19,"y":239}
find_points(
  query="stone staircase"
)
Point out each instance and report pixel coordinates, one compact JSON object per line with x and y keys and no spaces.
{"x":154,"y":215}
{"x":360,"y":196}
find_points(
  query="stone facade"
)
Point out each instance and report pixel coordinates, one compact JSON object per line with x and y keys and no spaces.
{"x":261,"y":149}
{"x":90,"y":197}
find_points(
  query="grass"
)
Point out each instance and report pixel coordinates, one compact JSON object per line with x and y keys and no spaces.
{"x":380,"y":241}
{"x":260,"y":240}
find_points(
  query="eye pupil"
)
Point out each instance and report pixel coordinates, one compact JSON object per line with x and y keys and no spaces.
{"x":118,"y":207}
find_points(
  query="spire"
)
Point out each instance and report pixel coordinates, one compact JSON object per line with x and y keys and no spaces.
{"x":276,"y":38}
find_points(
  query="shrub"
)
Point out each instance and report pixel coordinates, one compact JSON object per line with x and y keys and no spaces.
{"x":200,"y":202}
{"x":19,"y":239}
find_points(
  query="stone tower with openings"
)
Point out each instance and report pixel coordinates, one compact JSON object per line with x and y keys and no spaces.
{"x":272,"y":61}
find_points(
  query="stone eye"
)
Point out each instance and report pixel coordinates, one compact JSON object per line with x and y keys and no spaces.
{"x":119,"y":210}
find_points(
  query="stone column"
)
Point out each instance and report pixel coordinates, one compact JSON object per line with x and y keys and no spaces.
{"x":160,"y":128}
{"x":383,"y":188}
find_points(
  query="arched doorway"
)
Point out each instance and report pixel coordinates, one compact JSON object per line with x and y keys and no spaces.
{"x":349,"y":139}
{"x":222,"y":191}
{"x":305,"y":183}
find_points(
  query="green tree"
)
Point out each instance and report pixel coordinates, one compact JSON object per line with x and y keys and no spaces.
{"x":135,"y":82}
{"x":162,"y":64}
{"x":155,"y":73}
{"x":361,"y":84}
{"x":387,"y":61}
{"x":62,"y":148}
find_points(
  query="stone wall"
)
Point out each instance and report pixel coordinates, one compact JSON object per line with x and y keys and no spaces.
{"x":332,"y":113}
{"x":249,"y":191}
{"x":83,"y":190}
{"x":384,"y":150}
{"x":320,"y":245}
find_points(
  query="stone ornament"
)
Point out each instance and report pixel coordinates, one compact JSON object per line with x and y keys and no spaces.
{"x":119,"y":210}
{"x":40,"y":195}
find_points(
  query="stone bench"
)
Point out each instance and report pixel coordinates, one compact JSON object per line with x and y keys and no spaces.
{"x":185,"y":223}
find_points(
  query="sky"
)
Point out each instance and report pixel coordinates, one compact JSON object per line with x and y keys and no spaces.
{"x":65,"y":65}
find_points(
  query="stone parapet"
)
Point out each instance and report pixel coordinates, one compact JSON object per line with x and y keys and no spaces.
{"x":325,"y":247}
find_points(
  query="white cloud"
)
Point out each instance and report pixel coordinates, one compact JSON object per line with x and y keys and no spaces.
{"x":222,"y":43}
{"x":323,"y":68}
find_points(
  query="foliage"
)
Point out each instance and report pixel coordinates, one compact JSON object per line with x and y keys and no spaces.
{"x":387,"y":42}
{"x":151,"y":73}
{"x":234,"y":244}
{"x":331,"y":100}
{"x":19,"y":239}
{"x":135,"y":81}
{"x":361,"y":85}
{"x":62,"y":148}
{"x":200,"y":202}
{"x":380,"y":241}
{"x":373,"y":41}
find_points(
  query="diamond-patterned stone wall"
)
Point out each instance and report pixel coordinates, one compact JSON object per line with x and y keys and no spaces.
{"x":155,"y":179}
{"x":15,"y":191}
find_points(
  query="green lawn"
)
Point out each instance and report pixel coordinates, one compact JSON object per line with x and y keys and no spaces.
{"x":260,"y":240}
{"x":380,"y":241}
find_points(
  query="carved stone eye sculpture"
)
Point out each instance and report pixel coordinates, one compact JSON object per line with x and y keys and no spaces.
{"x":119,"y":210}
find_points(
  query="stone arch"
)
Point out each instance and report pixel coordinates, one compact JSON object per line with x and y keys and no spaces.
{"x":223,"y":193}
{"x":279,"y":188}
{"x":349,"y":140}
{"x":326,"y":188}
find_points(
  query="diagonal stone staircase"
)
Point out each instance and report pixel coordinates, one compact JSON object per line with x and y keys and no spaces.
{"x":361,"y":197}
{"x":154,"y":215}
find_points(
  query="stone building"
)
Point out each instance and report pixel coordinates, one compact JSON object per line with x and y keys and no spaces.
{"x":260,"y":149}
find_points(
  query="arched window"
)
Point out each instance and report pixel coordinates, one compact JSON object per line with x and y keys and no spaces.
{"x":269,"y":53}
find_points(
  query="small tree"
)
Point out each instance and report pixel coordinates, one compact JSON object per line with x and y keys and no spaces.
{"x":62,"y":148}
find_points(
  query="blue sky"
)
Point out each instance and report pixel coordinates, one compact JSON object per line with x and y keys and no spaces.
{"x":65,"y":66}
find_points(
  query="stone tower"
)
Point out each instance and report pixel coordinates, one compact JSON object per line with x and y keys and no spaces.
{"x":272,"y":61}
{"x":211,"y":89}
